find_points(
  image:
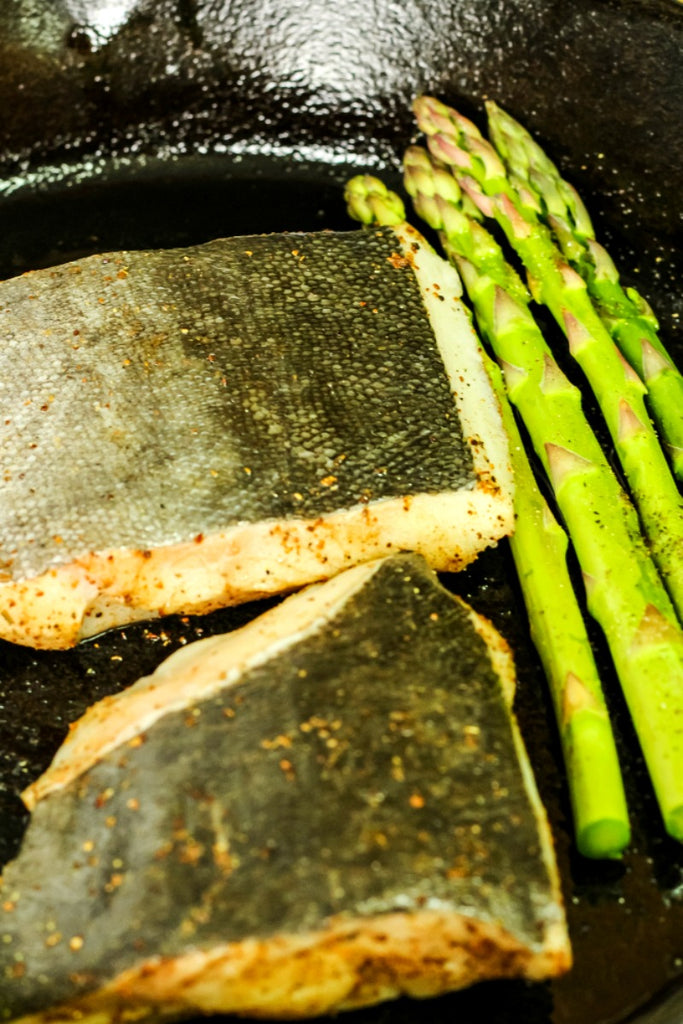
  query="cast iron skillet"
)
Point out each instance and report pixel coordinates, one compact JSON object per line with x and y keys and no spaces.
{"x":136,"y":123}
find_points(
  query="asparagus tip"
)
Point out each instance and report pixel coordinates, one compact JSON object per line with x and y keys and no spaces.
{"x":492,"y":108}
{"x":603,"y":263}
{"x":485,"y":204}
{"x":521,"y":227}
{"x":369,"y":201}
{"x":432,"y":115}
{"x":442,"y":146}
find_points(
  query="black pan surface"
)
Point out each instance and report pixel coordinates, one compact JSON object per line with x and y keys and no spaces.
{"x":143,"y":123}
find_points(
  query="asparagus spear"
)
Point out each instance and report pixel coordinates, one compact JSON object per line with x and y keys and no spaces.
{"x":539,"y":547}
{"x":624,"y":312}
{"x":624,"y":591}
{"x":455,"y":141}
{"x":539,"y":551}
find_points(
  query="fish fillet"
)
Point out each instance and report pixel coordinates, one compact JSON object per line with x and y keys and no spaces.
{"x":187,"y":429}
{"x":327,"y":808}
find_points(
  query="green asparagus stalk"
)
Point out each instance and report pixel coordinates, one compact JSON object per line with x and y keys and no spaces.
{"x":624,"y":312}
{"x":624,"y":592}
{"x":457,"y":143}
{"x":539,"y":548}
{"x":539,"y":551}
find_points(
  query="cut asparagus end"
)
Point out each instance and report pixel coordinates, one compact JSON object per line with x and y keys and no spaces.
{"x":603,"y":840}
{"x":674,"y":823}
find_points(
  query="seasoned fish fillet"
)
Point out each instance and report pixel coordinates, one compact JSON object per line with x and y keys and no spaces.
{"x":191,"y":428}
{"x":327,"y":808}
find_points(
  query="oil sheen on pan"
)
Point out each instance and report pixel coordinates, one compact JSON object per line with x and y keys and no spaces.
{"x":161,"y":124}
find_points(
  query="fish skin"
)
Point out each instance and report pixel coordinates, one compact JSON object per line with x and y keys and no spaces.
{"x":172,"y":414}
{"x":350,"y":818}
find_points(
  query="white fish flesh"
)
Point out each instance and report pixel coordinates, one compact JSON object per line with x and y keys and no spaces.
{"x":186,"y":429}
{"x":327,"y":808}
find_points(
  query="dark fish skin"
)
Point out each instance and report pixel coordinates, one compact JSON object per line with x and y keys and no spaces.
{"x":161,"y":407}
{"x":297,"y":384}
{"x":367,"y":774}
